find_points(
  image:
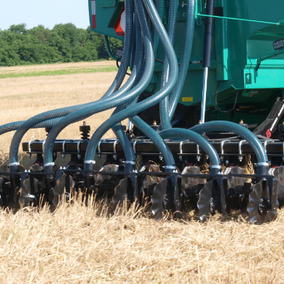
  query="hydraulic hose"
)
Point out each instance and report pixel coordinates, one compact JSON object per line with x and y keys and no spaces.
{"x":148,"y":131}
{"x":160,"y":8}
{"x":126,"y":49}
{"x":129,"y":112}
{"x":102,"y":105}
{"x":108,"y":49}
{"x":185,"y":58}
{"x":133,"y":44}
{"x":13,"y":157}
{"x":198,"y":139}
{"x":157,"y":140}
{"x":241,"y":131}
{"x":16,"y":124}
{"x":164,"y":104}
{"x":117,"y":129}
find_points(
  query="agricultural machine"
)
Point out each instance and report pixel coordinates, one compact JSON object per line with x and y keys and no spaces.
{"x":204,"y":100}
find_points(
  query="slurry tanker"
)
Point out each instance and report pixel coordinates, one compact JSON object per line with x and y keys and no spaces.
{"x":204,"y":102}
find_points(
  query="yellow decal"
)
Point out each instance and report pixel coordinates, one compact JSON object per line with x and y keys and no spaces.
{"x":187,"y":99}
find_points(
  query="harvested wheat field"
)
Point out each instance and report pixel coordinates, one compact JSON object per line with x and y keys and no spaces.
{"x":79,"y":244}
{"x":23,"y":97}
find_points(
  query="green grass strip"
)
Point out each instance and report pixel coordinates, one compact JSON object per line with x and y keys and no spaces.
{"x":57,"y":72}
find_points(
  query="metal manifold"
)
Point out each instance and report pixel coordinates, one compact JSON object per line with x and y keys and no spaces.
{"x":188,"y":186}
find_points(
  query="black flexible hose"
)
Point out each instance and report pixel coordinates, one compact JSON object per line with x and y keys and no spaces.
{"x":216,"y":101}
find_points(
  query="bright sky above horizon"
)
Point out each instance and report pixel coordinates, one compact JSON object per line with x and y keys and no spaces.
{"x":47,"y":13}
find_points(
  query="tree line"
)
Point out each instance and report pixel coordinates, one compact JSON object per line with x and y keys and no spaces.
{"x":64,"y":43}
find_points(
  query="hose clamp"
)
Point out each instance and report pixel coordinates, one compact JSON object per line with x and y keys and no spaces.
{"x":129,"y":162}
{"x":215,"y":167}
{"x":14,"y":164}
{"x":169,"y":167}
{"x":90,"y":162}
{"x":49,"y":164}
{"x":263,"y":164}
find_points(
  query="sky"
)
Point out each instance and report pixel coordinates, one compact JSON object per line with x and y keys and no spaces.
{"x":43,"y":12}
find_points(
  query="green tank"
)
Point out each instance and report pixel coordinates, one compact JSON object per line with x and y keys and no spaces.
{"x":247,"y":55}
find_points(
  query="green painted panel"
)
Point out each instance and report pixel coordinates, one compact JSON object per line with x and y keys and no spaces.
{"x":104,"y":11}
{"x":237,"y":49}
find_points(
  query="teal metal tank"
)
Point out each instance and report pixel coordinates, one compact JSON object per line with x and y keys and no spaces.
{"x":247,"y":54}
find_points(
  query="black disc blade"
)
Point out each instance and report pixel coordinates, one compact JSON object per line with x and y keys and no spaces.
{"x":279,"y":174}
{"x":259,"y":190}
{"x":25,"y":196}
{"x":1,"y":191}
{"x":253,"y":205}
{"x":120,"y":191}
{"x":159,"y":197}
{"x":272,"y":213}
{"x":203,"y":203}
{"x":60,"y":188}
{"x":5,"y":168}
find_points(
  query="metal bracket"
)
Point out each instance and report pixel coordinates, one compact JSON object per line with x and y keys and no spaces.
{"x":265,"y":144}
{"x":240,"y":150}
{"x":78,"y":149}
{"x":198,"y":10}
{"x":63,"y":149}
{"x":30,"y":147}
{"x":222,"y":148}
{"x":180,"y":150}
{"x":114,"y":149}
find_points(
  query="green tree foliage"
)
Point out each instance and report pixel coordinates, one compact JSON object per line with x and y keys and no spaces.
{"x":64,"y":43}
